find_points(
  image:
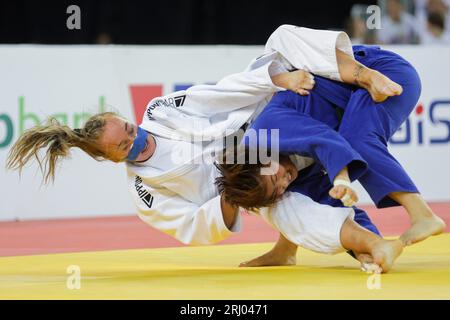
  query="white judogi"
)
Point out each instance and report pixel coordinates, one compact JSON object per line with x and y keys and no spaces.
{"x":180,"y":198}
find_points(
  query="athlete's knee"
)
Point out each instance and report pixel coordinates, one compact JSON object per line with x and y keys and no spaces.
{"x":360,"y":135}
{"x":409,"y":79}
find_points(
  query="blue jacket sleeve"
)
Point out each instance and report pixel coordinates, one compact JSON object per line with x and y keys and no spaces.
{"x":301,"y":134}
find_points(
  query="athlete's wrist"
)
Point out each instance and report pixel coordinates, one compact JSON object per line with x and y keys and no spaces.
{"x":341,"y":182}
{"x":342,"y":177}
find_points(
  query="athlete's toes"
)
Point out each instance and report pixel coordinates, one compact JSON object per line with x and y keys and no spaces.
{"x":394,"y":89}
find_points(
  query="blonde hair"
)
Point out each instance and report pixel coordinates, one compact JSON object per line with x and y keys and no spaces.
{"x":58,"y":139}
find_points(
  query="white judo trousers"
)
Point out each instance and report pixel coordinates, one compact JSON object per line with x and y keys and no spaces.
{"x":183,"y":201}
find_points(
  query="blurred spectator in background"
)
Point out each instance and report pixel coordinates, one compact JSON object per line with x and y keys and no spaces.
{"x":435,"y":32}
{"x":397,"y":25}
{"x":433,"y":17}
{"x":356,"y":26}
{"x":425,"y":7}
{"x":402,"y":22}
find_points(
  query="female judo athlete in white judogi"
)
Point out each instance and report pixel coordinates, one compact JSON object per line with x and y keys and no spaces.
{"x":177,"y":195}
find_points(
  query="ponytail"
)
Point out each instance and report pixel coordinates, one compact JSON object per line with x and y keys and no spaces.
{"x":58,"y":139}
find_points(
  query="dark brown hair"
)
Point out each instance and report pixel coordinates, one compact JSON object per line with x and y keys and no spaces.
{"x":241,"y":183}
{"x":437,"y":20}
{"x":58,"y":139}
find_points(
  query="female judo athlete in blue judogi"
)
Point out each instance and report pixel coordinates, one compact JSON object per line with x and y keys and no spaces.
{"x":346,"y":133}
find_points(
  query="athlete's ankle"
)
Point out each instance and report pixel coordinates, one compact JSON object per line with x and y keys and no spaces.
{"x":366,"y":77}
{"x":417,"y":215}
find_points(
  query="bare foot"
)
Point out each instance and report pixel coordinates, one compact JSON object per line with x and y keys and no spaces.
{"x":367,"y":264}
{"x":381,"y":87}
{"x":363,"y":257}
{"x":385,"y":252}
{"x":422,"y":229}
{"x":271,"y":258}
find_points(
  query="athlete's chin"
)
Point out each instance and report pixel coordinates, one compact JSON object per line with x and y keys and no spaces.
{"x":146,"y":152}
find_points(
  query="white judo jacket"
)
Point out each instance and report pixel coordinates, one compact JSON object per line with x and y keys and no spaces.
{"x":167,"y":201}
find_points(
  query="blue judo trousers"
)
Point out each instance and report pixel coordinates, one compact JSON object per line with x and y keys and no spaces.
{"x":314,"y":126}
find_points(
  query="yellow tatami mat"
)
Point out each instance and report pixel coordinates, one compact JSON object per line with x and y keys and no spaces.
{"x":422,"y":272}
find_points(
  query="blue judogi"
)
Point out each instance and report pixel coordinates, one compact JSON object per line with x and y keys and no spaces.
{"x":311,"y":126}
{"x":302,"y":132}
{"x":368,"y":125}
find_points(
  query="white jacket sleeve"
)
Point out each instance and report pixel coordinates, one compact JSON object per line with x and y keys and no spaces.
{"x":309,"y":49}
{"x":232,"y":92}
{"x":180,"y":218}
{"x":303,"y":48}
